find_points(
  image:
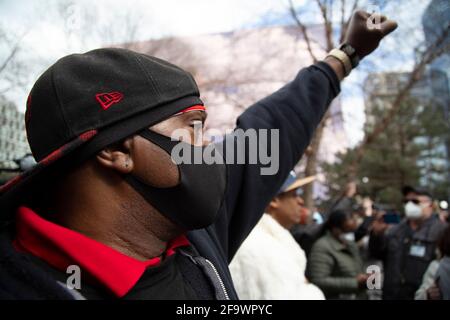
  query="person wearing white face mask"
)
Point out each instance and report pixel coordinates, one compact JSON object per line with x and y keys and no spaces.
{"x":408,"y":248}
{"x":413,"y":209}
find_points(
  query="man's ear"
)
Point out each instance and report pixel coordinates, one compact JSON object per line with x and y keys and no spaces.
{"x":117,"y":156}
{"x":275,"y":203}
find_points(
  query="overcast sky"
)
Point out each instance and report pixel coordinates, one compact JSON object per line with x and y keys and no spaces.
{"x":157,"y":18}
{"x":44,"y":25}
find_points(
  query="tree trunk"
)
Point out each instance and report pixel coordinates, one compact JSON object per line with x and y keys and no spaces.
{"x":311,"y":161}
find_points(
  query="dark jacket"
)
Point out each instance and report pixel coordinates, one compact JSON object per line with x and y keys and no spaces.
{"x":296,"y":109}
{"x":306,"y":235}
{"x":404,"y":269}
{"x":333,"y":267}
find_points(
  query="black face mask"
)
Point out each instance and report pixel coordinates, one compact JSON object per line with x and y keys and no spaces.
{"x":195,"y":201}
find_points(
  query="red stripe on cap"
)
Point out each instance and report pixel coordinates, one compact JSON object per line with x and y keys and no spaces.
{"x":58,"y":153}
{"x":197,"y":107}
{"x":88,"y":135}
{"x":10,"y":183}
{"x":49,"y":159}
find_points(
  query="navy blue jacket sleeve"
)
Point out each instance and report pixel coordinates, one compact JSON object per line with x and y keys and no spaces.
{"x":295,"y":110}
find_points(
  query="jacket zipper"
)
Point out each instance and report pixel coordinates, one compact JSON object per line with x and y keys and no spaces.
{"x":219,"y":278}
{"x":213,"y":268}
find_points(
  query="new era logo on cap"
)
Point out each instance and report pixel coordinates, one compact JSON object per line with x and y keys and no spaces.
{"x":106,"y":100}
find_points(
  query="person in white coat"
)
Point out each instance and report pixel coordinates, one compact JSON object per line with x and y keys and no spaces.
{"x":270,"y":264}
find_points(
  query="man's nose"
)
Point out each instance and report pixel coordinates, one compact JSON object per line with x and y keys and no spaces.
{"x":206,"y":141}
{"x":198,"y":137}
{"x":200,"y":142}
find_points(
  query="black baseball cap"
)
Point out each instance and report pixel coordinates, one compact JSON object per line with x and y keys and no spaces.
{"x":417,"y":191}
{"x":85,"y":102}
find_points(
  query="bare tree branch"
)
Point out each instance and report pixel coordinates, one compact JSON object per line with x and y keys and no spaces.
{"x":344,"y":25}
{"x":327,"y":23}
{"x":9,"y":57}
{"x":303,"y":30}
{"x":13,"y":51}
{"x":343,"y":22}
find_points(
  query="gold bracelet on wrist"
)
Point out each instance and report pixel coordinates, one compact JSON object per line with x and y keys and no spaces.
{"x":343,"y":58}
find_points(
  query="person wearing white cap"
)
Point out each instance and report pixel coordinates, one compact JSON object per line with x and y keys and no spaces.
{"x":270,"y":264}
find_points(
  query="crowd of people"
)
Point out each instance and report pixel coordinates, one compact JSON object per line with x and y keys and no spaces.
{"x":354,"y":251}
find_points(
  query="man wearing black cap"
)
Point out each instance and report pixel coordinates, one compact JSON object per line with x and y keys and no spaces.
{"x":106,"y":213}
{"x":407,"y":248}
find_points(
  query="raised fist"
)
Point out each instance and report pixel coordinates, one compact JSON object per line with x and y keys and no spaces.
{"x":366,"y":30}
